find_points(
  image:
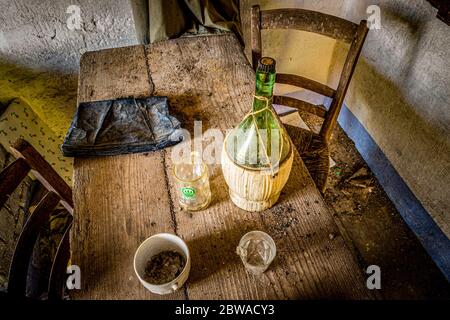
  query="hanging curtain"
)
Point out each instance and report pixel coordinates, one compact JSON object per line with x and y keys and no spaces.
{"x":174,"y":18}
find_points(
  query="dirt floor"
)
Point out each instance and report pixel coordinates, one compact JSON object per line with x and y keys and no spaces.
{"x":372,"y":226}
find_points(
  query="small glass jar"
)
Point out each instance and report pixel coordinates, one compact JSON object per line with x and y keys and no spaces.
{"x":192,"y":181}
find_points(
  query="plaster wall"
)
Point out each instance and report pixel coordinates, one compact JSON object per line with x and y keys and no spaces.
{"x":401,"y":94}
{"x":400,"y":91}
{"x":39,"y":53}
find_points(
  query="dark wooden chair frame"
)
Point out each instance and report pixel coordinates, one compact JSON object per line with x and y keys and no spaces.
{"x":320,"y":23}
{"x":28,"y":159}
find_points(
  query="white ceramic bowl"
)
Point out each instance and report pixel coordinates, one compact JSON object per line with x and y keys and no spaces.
{"x":154,"y":245}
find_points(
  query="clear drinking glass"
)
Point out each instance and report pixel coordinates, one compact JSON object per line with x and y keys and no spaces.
{"x":257,"y":251}
{"x":192,"y":180}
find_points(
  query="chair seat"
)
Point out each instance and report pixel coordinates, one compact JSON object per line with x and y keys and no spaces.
{"x":314,"y":152}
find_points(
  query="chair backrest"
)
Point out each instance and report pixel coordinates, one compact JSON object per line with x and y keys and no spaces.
{"x":320,"y":23}
{"x":28,"y":159}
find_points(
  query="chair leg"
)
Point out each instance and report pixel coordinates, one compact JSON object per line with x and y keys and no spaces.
{"x":59,"y":267}
{"x":22,"y":254}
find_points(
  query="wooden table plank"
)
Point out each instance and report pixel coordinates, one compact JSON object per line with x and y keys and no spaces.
{"x":209,"y":79}
{"x":121,"y":200}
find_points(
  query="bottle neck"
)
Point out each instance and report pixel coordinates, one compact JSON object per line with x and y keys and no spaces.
{"x":264,"y":88}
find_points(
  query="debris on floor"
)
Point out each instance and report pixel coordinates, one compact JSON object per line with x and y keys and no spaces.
{"x":372,"y":226}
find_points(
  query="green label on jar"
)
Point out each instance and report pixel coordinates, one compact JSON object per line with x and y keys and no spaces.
{"x":188,"y":192}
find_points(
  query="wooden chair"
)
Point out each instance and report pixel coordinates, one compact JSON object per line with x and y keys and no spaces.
{"x":312,"y":147}
{"x":28,"y":159}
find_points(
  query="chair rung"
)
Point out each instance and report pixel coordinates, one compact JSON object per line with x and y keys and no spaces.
{"x":11,"y":177}
{"x":305,"y":83}
{"x":44,"y":172}
{"x":317,"y":110}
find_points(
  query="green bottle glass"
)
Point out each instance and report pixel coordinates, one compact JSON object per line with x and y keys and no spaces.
{"x":260,"y":141}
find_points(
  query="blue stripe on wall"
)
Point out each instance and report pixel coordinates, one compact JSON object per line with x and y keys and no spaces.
{"x":419,"y":221}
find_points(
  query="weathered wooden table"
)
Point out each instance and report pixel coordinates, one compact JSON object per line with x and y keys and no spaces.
{"x":122,"y":200}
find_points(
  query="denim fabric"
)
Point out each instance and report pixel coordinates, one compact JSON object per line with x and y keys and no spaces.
{"x":111,"y":127}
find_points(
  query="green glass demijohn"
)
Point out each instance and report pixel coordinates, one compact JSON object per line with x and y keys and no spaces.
{"x":260,"y":141}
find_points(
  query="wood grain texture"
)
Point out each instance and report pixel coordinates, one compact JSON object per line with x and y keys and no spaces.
{"x":209,"y":79}
{"x":119,"y":201}
{"x":310,"y":21}
{"x":120,"y":73}
{"x":318,"y":110}
{"x":44,"y":172}
{"x":57,"y":190}
{"x":344,"y":81}
{"x":58,"y":272}
{"x":24,"y":248}
{"x":305,"y":83}
{"x":11,"y":177}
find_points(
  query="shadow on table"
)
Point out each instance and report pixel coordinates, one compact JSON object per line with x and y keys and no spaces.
{"x":215,"y":254}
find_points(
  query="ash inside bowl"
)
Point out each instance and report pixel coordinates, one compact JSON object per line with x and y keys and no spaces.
{"x":164,"y":267}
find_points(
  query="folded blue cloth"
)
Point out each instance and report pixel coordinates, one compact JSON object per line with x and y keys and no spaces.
{"x":111,"y":127}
